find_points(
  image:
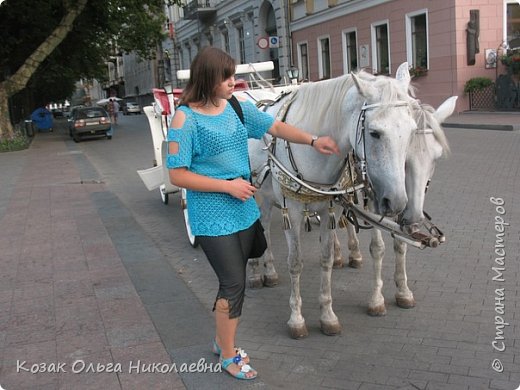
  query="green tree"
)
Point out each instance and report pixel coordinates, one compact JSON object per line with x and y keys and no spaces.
{"x":49,"y":44}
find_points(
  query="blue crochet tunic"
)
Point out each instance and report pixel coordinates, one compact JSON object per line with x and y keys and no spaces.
{"x":216,"y":146}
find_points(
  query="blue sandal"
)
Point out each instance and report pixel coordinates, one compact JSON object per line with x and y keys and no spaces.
{"x":244,"y":368}
{"x":239,"y":351}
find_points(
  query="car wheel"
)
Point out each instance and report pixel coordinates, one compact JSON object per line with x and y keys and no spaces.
{"x":109,"y":137}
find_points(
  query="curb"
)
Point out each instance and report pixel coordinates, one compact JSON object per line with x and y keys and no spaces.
{"x":480,"y":126}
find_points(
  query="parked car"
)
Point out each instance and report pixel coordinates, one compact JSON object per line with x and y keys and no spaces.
{"x":89,"y":122}
{"x":131,"y":108}
{"x":66,"y":112}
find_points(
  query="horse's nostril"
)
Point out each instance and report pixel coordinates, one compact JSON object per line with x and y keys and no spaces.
{"x":386,"y":204}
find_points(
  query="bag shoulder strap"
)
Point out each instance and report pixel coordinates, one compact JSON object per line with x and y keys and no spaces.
{"x":235,"y":104}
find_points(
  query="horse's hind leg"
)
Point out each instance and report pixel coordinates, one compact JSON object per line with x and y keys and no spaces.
{"x":338,"y":258}
{"x":269,"y":277}
{"x":329,"y":322}
{"x":404,"y":296}
{"x":376,"y":305}
{"x":355,"y":260}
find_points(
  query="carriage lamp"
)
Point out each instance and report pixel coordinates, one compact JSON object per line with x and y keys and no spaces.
{"x":293,"y":73}
{"x":168,"y":88}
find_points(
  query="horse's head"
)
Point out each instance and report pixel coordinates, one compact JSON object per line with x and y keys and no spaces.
{"x":428,"y":144}
{"x":382,"y":134}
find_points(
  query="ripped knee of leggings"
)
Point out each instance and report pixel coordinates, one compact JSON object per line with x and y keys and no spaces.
{"x":221,"y":305}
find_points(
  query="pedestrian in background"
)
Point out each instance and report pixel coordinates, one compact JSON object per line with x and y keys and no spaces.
{"x":208,"y":155}
{"x":113,"y":109}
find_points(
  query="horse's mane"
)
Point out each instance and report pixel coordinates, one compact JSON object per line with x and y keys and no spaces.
{"x":320,"y":102}
{"x":425,"y":119}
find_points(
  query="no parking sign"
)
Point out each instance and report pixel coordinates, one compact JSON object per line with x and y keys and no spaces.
{"x":263,"y":43}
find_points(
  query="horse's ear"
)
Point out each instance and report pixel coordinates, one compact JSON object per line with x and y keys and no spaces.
{"x":365,"y":88}
{"x":445,"y":109}
{"x":403,"y":75}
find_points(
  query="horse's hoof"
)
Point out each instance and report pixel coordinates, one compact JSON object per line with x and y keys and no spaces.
{"x":377,"y":311}
{"x":270,"y":280}
{"x":405,"y":303}
{"x":338,"y":263}
{"x":298,"y":332}
{"x":255,"y":282}
{"x":354,"y":263}
{"x":330,"y":329}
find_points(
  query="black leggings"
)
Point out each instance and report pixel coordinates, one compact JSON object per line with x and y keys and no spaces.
{"x":228,"y":256}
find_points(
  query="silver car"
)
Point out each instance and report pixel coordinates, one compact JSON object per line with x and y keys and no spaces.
{"x":131,"y":108}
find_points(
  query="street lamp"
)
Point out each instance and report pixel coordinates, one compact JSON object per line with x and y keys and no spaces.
{"x":293,"y":73}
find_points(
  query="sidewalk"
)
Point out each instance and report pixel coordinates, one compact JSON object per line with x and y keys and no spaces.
{"x":483,"y":120}
{"x":81,"y":281}
{"x":66,"y":299}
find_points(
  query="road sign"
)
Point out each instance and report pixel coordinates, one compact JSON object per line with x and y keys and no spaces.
{"x":263,"y":43}
{"x":274,"y":42}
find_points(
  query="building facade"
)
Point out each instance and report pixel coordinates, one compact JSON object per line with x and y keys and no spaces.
{"x":249,"y":30}
{"x":446,"y":42}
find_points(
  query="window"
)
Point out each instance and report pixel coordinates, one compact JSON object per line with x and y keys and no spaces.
{"x":381,"y":53}
{"x":324,"y":58}
{"x":350,"y":61}
{"x":241,"y":44}
{"x":225,"y":41}
{"x":303,"y":60}
{"x":513,"y":25}
{"x":417,"y":39}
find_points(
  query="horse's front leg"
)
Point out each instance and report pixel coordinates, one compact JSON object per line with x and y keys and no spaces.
{"x":296,"y":323}
{"x":329,"y":323}
{"x":355,"y":260}
{"x":404,"y":296}
{"x":376,"y":305}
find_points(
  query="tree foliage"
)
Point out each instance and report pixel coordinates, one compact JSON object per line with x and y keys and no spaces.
{"x":49,"y":44}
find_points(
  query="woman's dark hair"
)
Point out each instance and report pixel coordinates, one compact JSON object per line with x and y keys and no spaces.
{"x":209,"y":68}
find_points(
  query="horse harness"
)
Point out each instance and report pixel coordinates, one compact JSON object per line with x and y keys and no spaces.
{"x":352,"y":179}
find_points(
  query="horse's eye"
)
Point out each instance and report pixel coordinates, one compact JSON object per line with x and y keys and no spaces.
{"x":375,"y":134}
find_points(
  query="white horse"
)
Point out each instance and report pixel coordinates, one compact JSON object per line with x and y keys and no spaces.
{"x":428,"y":144}
{"x":370,"y":114}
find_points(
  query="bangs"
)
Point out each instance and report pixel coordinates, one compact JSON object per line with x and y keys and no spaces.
{"x":228,"y":68}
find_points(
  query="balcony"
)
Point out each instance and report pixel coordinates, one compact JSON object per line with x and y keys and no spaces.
{"x":199,"y":9}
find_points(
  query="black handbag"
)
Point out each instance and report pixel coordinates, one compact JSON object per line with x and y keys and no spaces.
{"x":259,"y":242}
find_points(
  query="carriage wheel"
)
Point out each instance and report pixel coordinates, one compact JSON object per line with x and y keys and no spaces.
{"x":192,"y":239}
{"x":164,"y":195}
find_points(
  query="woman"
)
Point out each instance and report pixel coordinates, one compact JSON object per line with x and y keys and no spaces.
{"x":208,"y":156}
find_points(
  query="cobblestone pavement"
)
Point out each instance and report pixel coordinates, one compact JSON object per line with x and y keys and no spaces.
{"x":135,"y":289}
{"x":446,"y":341}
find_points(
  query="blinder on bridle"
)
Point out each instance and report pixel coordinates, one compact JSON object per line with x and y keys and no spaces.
{"x":360,"y":154}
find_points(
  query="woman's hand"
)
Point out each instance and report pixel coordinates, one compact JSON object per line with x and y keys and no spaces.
{"x":326,"y":145}
{"x":241,"y":189}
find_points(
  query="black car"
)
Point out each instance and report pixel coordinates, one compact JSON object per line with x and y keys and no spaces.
{"x":89,"y":122}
